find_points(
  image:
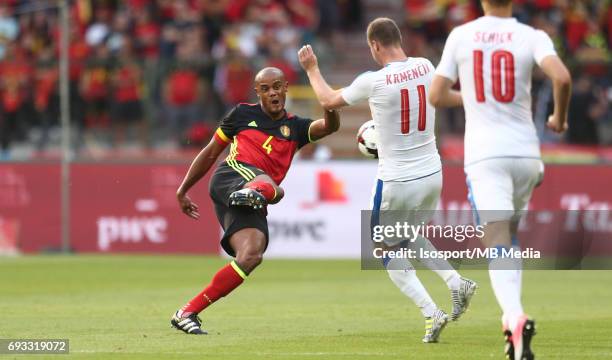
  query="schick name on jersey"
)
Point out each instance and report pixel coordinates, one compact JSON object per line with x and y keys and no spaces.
{"x":492,"y":37}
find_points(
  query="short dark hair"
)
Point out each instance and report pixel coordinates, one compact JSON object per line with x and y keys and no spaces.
{"x":499,"y":2}
{"x":384,"y":31}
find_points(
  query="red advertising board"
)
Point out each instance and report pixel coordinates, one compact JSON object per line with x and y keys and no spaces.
{"x":30,"y":216}
{"x":133,"y":208}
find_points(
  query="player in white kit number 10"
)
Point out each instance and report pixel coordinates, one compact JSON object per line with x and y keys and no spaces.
{"x":409,"y":168}
{"x":493,"y":58}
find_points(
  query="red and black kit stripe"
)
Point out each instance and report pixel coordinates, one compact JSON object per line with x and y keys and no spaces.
{"x":259,"y":141}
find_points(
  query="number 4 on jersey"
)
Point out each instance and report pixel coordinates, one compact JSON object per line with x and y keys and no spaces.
{"x":266,"y":145}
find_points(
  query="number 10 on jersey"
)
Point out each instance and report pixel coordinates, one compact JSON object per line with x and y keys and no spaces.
{"x":500,"y":93}
{"x":406,"y":109}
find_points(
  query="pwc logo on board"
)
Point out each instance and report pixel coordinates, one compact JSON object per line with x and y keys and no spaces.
{"x":329,"y":190}
{"x":133,"y":229}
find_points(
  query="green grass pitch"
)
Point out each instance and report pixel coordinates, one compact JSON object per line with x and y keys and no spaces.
{"x":119,"y":307}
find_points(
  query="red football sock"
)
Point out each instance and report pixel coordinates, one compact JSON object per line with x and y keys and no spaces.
{"x":264,"y":188}
{"x":225,"y":280}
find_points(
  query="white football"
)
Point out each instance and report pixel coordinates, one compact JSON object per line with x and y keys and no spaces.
{"x":367,"y":139}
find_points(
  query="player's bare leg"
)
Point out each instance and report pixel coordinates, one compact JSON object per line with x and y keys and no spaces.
{"x":497,"y":234}
{"x":249,"y":245}
{"x":257,"y":193}
{"x":404,"y":276}
{"x":505,"y":274}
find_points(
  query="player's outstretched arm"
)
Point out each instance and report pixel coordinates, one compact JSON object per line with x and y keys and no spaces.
{"x":328,"y":98}
{"x":199,"y":167}
{"x":326,"y":126}
{"x":441,"y":93}
{"x":554,"y":68}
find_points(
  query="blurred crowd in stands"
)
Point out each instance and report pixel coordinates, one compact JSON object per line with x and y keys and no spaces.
{"x":154,"y":71}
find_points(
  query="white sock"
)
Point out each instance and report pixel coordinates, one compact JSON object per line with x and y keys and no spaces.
{"x":519,"y":269}
{"x":405,"y":278}
{"x":440,"y":266}
{"x":451,"y":277}
{"x":506,"y":282}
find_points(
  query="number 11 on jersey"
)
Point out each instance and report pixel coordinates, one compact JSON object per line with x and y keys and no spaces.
{"x":406,"y":109}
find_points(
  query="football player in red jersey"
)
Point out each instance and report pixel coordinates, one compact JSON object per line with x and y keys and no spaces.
{"x":263,"y":138}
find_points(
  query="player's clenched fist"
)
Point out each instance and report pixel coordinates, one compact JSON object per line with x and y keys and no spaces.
{"x":556,"y":124}
{"x":307,"y":58}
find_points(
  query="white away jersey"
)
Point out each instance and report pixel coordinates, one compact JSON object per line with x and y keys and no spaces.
{"x":403,"y":117}
{"x":494,"y":58}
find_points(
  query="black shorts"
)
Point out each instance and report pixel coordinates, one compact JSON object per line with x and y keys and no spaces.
{"x":225,"y":181}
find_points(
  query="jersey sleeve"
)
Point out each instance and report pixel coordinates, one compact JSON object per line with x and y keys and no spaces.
{"x":227,"y":128}
{"x":302,"y":128}
{"x":542,"y":46}
{"x":448,"y":63}
{"x":359,"y":90}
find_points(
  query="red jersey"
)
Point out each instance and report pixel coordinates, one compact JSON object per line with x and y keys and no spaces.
{"x":128,"y":84}
{"x":259,"y":141}
{"x":96,"y":82}
{"x":15,"y":77}
{"x":182,"y":87}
